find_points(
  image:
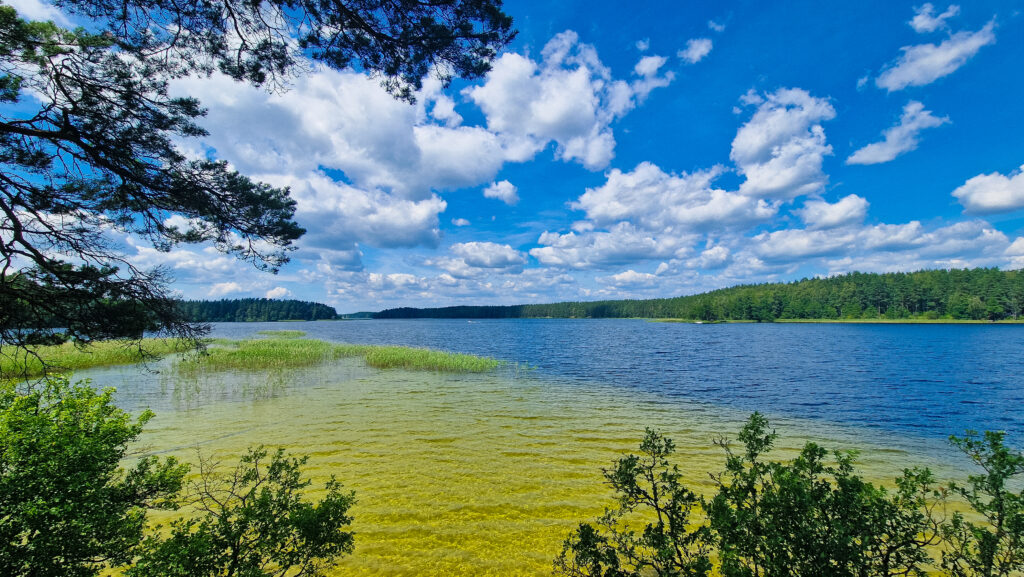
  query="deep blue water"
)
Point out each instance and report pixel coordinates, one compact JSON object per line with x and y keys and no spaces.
{"x":928,"y":380}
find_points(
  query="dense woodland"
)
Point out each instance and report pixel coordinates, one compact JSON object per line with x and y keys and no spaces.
{"x":968,"y":294}
{"x":255,"y":310}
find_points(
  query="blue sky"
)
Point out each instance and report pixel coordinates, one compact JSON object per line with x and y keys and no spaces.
{"x":640,"y":151}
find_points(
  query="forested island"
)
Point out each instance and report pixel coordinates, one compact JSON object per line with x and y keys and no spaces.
{"x":959,"y":294}
{"x":255,"y":310}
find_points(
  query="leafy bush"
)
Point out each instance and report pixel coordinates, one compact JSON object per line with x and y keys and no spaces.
{"x":67,"y":508}
{"x":253,"y":521}
{"x":811,"y":516}
{"x":994,"y":547}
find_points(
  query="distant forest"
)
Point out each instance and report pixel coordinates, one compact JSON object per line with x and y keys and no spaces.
{"x":255,"y":310}
{"x":978,"y":294}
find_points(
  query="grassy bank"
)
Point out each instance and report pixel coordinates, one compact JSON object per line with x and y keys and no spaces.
{"x":37,"y":361}
{"x":287,"y":349}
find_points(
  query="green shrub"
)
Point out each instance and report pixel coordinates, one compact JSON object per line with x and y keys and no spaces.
{"x":67,"y":508}
{"x":811,"y":516}
{"x":253,"y":521}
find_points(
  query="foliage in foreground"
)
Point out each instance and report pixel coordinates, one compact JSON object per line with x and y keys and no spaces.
{"x":811,"y":516}
{"x":995,"y":545}
{"x":254,"y":521}
{"x":67,"y":508}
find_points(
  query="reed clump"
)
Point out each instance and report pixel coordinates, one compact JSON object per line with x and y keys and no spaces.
{"x":260,"y":354}
{"x":427,"y":360}
{"x":280,"y":350}
{"x":293,"y":352}
{"x":68,"y":357}
{"x":289,"y":334}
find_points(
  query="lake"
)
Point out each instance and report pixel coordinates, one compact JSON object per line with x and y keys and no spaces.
{"x":928,"y":380}
{"x":486,"y":474}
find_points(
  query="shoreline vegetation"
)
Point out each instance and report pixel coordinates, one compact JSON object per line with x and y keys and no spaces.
{"x":981,"y":294}
{"x":274,"y":350}
{"x":927,"y":296}
{"x":881,"y":321}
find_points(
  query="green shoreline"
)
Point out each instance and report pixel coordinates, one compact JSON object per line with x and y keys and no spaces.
{"x":849,"y":321}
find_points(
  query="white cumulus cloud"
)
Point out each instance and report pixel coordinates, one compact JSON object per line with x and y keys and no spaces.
{"x":630,"y":278}
{"x":714,"y":257}
{"x":569,"y":97}
{"x":884,"y":247}
{"x":1017,"y":248}
{"x":621,"y":244}
{"x":279,"y":292}
{"x":696,"y":49}
{"x":780,"y":150}
{"x":224,"y":288}
{"x":489,"y":255}
{"x":819,"y":214}
{"x":900,"y":138}
{"x":504,"y":191}
{"x":926,"y":20}
{"x":343,"y":121}
{"x":339,"y":216}
{"x":988,"y":193}
{"x":374,"y":291}
{"x":473,"y":259}
{"x":923,"y":64}
{"x":649,"y":65}
{"x":793,"y":244}
{"x":654,"y":200}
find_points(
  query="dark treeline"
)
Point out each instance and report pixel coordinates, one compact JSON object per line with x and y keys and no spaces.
{"x":255,"y":310}
{"x":978,"y":294}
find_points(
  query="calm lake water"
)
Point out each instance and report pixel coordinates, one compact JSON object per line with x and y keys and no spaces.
{"x":484,"y":475}
{"x":927,"y":380}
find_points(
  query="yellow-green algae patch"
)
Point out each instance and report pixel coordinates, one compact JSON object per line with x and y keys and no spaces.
{"x":465,"y":474}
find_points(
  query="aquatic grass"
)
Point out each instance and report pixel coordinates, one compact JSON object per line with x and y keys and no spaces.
{"x":68,"y":357}
{"x":260,"y":354}
{"x":291,"y":352}
{"x":289,"y":334}
{"x":427,"y":360}
{"x":280,"y":350}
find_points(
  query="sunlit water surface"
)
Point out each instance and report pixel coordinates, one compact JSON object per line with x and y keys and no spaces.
{"x":475,"y":474}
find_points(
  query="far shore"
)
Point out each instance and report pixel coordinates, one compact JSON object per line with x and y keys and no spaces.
{"x":856,"y":321}
{"x":916,"y":321}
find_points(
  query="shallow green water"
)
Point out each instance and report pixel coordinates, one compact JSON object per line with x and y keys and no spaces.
{"x":454,"y":474}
